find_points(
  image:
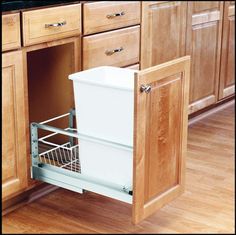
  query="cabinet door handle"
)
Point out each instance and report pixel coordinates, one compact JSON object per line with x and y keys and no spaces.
{"x":55,"y":25}
{"x":111,"y":16}
{"x":145,"y":88}
{"x":111,"y":52}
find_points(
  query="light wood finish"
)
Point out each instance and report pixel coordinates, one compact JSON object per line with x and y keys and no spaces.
{"x":35,"y":31}
{"x":11,"y":31}
{"x":207,"y":205}
{"x":135,"y":67}
{"x":50,"y":92}
{"x":95,"y":15}
{"x":14,"y":167}
{"x":95,"y":47}
{"x":204,"y":31}
{"x":159,"y":142}
{"x":163,"y":30}
{"x":227,"y":73}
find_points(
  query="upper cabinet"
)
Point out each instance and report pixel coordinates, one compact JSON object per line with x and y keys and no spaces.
{"x":204,"y":32}
{"x":227,"y":72}
{"x":163,"y":28}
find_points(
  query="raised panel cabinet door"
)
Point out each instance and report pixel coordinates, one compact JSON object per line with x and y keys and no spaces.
{"x":14,"y":157}
{"x":227,"y":73}
{"x":163,"y":30}
{"x":203,"y":44}
{"x":160,"y":139}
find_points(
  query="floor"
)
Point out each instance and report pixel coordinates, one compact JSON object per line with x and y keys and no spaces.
{"x":207,"y":206}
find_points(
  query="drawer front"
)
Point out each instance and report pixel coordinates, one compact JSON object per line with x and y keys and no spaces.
{"x":11,"y":31}
{"x":102,"y":16}
{"x":51,"y":24}
{"x":117,"y":48}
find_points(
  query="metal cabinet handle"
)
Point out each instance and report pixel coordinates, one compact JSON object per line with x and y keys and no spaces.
{"x":145,"y":88}
{"x":59,"y":24}
{"x":111,"y":52}
{"x":110,"y":16}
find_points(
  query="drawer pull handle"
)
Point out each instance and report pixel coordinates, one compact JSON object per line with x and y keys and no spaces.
{"x":111,"y":16}
{"x":145,"y":88}
{"x":111,"y":52}
{"x":59,"y":24}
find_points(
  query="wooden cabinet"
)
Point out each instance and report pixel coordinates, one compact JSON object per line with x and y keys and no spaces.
{"x":227,"y":71}
{"x":14,"y":152}
{"x":11,"y":31}
{"x":204,"y":32}
{"x":51,"y":24}
{"x":159,"y":144}
{"x":163,"y":30}
{"x":107,"y":15}
{"x":115,"y":48}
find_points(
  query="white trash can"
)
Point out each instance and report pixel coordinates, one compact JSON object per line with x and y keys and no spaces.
{"x":104,"y":106}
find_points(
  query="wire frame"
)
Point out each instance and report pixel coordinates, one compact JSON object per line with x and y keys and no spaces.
{"x":65,"y":156}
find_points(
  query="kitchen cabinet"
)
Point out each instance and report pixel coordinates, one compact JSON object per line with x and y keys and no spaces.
{"x":163,"y":30}
{"x":203,"y":44}
{"x":14,"y":125}
{"x":160,"y":100}
{"x":11,"y":31}
{"x":115,"y":48}
{"x":227,"y":71}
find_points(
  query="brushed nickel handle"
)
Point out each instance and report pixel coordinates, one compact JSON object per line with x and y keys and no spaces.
{"x":55,"y":25}
{"x":111,"y":52}
{"x":145,"y":88}
{"x":111,"y":16}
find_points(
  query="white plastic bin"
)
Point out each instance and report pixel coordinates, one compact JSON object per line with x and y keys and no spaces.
{"x":104,"y":103}
{"x":106,"y":161}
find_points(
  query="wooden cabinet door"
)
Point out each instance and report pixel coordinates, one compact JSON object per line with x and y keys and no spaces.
{"x":160,"y":138}
{"x":163,"y":30}
{"x":227,"y":73}
{"x":14,"y":162}
{"x":204,"y":31}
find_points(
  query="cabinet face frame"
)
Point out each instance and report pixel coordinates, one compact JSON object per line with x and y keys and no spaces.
{"x":227,"y":53}
{"x":204,"y":23}
{"x":152,"y":123}
{"x":14,"y":103}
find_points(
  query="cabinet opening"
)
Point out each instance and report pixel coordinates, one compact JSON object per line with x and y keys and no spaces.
{"x":50,"y":92}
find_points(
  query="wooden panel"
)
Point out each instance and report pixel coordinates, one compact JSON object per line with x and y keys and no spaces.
{"x":14,"y":162}
{"x":97,"y":16}
{"x":35,"y":23}
{"x":160,"y":138}
{"x":199,"y":6}
{"x":204,"y":32}
{"x":163,"y":31}
{"x":227,"y":73}
{"x":95,"y":48}
{"x":11,"y":31}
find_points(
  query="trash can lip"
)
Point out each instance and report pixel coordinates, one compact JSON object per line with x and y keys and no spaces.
{"x":106,"y":76}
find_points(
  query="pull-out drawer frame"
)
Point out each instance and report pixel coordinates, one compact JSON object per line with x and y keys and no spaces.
{"x":60,"y":176}
{"x":159,"y":143}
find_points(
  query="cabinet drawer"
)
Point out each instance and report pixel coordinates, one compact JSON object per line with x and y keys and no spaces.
{"x":10,"y":31}
{"x":117,"y":48}
{"x":51,"y":24}
{"x":102,"y":16}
